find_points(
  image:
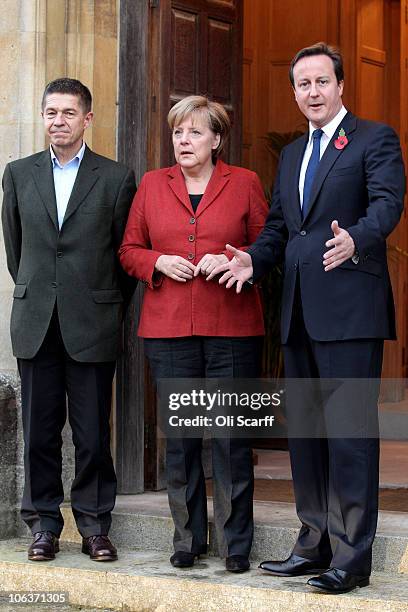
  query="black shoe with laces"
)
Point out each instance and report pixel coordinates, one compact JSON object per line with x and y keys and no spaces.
{"x":99,"y":548}
{"x":44,"y":546}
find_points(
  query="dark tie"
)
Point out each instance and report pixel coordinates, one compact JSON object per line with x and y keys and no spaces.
{"x":311,"y":170}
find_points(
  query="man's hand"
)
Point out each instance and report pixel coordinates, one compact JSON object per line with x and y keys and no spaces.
{"x":238,"y":270}
{"x":209,"y":262}
{"x":342,"y":248}
{"x":175,"y":267}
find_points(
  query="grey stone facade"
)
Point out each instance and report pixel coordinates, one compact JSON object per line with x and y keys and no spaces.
{"x":12,"y":458}
{"x":9,"y":452}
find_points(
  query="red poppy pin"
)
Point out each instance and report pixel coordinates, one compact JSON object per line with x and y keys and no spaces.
{"x":341,"y":140}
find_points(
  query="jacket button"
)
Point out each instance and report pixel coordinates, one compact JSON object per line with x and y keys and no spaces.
{"x":59,"y":253}
{"x":192,"y":220}
{"x":190,"y":256}
{"x":303,"y":233}
{"x":191,"y":238}
{"x":295,"y":267}
{"x":54,"y":284}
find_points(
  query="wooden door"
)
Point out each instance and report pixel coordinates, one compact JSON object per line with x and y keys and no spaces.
{"x":381,"y":95}
{"x":273,"y":32}
{"x":196,"y":48}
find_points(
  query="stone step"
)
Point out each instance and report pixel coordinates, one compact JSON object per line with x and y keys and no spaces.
{"x":145,"y":581}
{"x":143,"y":522}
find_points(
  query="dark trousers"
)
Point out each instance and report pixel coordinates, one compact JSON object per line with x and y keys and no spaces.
{"x":47,"y":381}
{"x":233,"y":478}
{"x":335,"y":478}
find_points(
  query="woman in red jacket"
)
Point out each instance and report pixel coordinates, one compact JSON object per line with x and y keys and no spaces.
{"x":179,"y":223}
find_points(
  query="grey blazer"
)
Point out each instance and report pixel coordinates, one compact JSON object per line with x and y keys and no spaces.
{"x":75,"y":268}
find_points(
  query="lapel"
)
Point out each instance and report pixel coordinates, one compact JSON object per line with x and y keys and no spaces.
{"x":295,"y":161}
{"x":330,"y":155}
{"x":219,"y":178}
{"x":217,"y":182}
{"x":178,"y":185}
{"x":85,"y":180}
{"x":44,"y":180}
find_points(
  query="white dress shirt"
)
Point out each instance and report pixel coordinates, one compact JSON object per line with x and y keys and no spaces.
{"x":328,"y":133}
{"x":64,"y":179}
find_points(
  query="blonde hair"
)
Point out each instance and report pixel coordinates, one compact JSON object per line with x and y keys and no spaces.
{"x":213,"y":112}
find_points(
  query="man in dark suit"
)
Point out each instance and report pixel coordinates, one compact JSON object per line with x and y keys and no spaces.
{"x":64,"y":213}
{"x":338,"y":194}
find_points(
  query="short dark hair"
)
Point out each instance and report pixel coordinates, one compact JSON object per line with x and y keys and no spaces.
{"x":74,"y":87}
{"x":320,"y":48}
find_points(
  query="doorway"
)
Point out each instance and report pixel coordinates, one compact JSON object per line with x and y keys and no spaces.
{"x":238,"y":52}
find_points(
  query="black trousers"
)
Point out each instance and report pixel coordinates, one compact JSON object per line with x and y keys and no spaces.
{"x":335,"y":478}
{"x":233,"y":478}
{"x":47,"y":381}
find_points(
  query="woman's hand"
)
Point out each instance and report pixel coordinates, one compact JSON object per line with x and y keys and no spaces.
{"x":209,"y":262}
{"x":175,"y":267}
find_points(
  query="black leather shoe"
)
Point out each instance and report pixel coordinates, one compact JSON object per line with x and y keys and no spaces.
{"x":183,"y":559}
{"x":237,"y":563}
{"x":45,"y":545}
{"x":338,"y":581}
{"x":99,"y":548}
{"x":294,"y":566}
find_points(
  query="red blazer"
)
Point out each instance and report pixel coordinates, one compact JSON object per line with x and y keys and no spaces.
{"x":161,"y":221}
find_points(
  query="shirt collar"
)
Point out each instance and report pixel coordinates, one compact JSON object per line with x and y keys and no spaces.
{"x":78,"y":156}
{"x":330,"y":127}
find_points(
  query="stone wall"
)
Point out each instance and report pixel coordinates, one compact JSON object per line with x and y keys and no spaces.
{"x":8,"y":455}
{"x":22,"y":43}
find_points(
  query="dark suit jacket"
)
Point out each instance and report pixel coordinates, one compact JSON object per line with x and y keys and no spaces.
{"x":75,"y":267}
{"x":233,"y":209}
{"x":362,"y":186}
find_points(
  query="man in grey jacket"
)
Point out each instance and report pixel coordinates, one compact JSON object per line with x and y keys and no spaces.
{"x":64,"y":213}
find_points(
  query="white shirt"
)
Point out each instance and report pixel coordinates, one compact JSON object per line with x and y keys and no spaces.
{"x":64,"y":179}
{"x":328,"y":133}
